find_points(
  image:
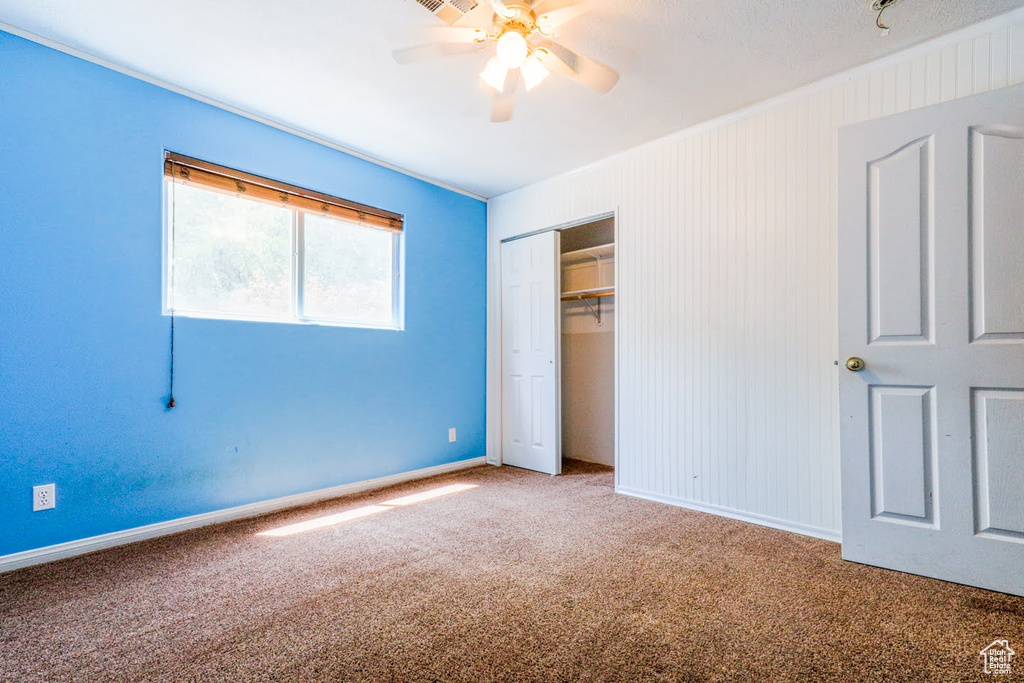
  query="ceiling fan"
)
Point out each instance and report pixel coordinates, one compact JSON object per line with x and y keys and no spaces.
{"x":526,"y":52}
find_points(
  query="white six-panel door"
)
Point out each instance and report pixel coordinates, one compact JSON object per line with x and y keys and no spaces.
{"x":530,"y":369}
{"x":931,"y":278}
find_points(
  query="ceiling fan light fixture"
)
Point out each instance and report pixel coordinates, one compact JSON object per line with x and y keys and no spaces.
{"x":534,"y":72}
{"x":523,"y":51}
{"x":512,"y":49}
{"x":494,"y":74}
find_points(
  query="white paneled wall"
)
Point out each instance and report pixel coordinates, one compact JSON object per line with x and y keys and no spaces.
{"x":726,"y":287}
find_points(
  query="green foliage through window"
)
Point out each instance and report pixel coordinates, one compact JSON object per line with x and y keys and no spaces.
{"x":232,"y":257}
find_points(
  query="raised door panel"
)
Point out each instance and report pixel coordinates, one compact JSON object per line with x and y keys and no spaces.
{"x":997,"y":235}
{"x":538,"y":428}
{"x":514,"y":424}
{"x":999,"y":463}
{"x":540,"y":308}
{"x":902,"y":454}
{"x":514,"y":319}
{"x":899,"y":244}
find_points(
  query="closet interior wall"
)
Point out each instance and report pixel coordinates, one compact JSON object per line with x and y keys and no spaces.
{"x":588,"y":345}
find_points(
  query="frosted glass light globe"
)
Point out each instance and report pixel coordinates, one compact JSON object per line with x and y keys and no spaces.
{"x":512,"y":49}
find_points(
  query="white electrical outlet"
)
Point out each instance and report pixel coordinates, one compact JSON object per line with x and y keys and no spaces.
{"x":451,"y":435}
{"x":44,"y":497}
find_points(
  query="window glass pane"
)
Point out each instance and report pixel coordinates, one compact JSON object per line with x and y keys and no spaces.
{"x":348,"y":274}
{"x":231,"y":255}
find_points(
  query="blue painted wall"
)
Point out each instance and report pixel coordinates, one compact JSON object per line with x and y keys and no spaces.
{"x":264,"y":410}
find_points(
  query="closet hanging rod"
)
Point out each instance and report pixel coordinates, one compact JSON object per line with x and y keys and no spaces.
{"x":579,"y":296}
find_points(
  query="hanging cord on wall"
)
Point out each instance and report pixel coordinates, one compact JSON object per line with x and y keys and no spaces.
{"x":170,"y":403}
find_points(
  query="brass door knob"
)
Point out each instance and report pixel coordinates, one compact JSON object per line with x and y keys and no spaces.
{"x":855,"y":364}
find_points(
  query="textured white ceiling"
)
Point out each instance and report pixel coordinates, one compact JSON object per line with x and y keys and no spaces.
{"x":325,"y":67}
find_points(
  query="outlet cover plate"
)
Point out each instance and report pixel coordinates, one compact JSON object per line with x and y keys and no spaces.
{"x":44,"y":497}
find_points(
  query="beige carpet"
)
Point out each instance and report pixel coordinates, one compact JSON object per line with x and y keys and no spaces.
{"x":524,"y":578}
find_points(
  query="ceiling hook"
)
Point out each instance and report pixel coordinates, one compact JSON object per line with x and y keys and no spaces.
{"x":880,"y":6}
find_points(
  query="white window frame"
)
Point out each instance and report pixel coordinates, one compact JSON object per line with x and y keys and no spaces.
{"x":295,"y":316}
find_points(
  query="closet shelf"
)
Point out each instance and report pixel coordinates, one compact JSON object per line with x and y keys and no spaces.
{"x":595,"y":293}
{"x":580,"y":255}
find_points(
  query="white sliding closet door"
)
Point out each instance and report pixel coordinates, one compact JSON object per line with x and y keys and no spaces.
{"x":530,"y":364}
{"x":931,"y":278}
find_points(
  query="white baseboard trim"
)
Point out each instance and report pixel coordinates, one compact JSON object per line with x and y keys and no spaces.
{"x":94,"y":543}
{"x":752,"y":518}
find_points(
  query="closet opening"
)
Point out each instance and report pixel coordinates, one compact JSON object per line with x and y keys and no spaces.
{"x":588,"y":342}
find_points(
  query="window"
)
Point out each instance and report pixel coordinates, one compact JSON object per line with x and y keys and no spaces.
{"x":249,"y":248}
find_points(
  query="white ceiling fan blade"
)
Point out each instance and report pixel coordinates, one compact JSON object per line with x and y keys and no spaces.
{"x":501,"y":9}
{"x":421,"y":53}
{"x":504,"y":103}
{"x":439,"y":34}
{"x":480,"y":17}
{"x":554,"y":64}
{"x":554,"y":13}
{"x":591,"y":73}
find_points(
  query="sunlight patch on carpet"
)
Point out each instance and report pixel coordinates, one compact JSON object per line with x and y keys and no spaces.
{"x":321,"y":522}
{"x":365,"y":511}
{"x":429,"y":495}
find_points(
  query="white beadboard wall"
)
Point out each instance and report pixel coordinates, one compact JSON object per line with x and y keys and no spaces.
{"x":727,"y":294}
